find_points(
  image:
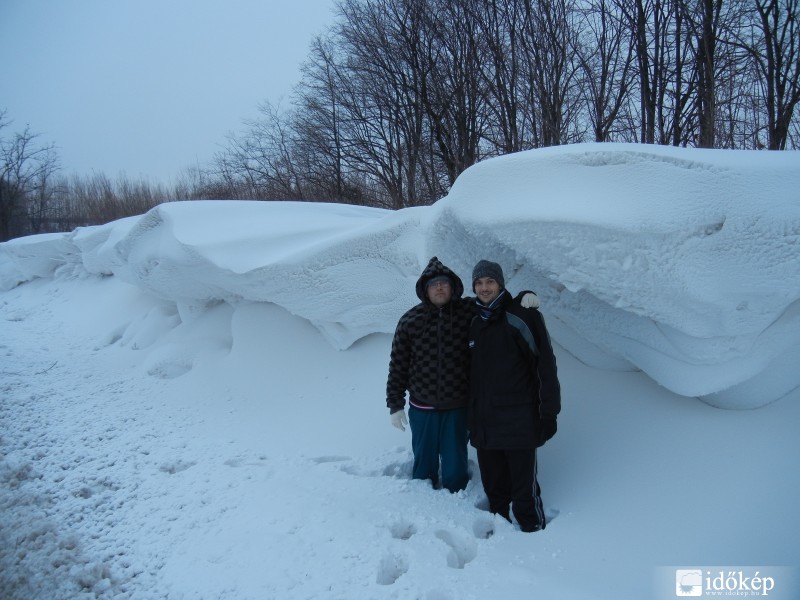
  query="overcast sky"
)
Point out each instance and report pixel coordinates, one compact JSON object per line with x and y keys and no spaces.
{"x":148,"y":87}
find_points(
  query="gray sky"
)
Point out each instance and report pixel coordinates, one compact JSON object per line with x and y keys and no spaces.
{"x":148,"y":87}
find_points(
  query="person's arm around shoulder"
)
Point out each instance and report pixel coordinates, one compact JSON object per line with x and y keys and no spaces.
{"x":527,"y":299}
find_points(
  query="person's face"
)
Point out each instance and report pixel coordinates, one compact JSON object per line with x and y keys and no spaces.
{"x":486,"y":289}
{"x":440,"y":292}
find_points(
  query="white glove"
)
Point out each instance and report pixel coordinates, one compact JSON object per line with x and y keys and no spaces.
{"x":399,"y":419}
{"x":529,"y":300}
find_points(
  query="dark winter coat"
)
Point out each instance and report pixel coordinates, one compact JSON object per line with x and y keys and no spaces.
{"x":515,"y":393}
{"x":429,"y":356}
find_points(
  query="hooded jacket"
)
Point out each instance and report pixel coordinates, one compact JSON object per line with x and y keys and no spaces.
{"x":514,"y":380}
{"x":430,"y":357}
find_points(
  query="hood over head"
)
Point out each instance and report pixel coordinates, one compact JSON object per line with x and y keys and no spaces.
{"x":436,"y":268}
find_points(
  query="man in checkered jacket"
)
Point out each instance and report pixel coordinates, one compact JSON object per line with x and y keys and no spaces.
{"x":430,"y":359}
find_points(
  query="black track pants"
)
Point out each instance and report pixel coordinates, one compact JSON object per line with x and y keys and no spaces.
{"x":509,"y":478}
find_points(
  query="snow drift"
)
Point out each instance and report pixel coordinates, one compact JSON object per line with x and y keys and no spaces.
{"x":680,"y":262}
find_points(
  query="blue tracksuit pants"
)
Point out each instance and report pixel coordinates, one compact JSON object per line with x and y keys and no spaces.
{"x":440,"y":435}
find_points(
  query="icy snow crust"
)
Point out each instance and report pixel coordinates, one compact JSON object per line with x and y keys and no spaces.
{"x":683,"y":263}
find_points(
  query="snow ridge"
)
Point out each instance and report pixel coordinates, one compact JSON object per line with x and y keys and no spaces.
{"x":682,"y":263}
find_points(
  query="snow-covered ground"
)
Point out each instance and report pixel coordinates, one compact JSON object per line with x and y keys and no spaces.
{"x":192,"y":401}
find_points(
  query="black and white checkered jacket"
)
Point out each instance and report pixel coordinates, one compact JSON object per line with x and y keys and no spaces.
{"x":430,"y":355}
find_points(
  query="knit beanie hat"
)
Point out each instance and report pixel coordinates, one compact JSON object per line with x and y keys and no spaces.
{"x":486,"y":268}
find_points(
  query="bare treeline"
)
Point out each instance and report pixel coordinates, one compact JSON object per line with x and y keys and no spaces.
{"x":399,"y":97}
{"x":35,"y":198}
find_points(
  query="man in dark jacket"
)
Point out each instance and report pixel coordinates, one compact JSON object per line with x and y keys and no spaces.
{"x":430,"y":359}
{"x":515,"y":397}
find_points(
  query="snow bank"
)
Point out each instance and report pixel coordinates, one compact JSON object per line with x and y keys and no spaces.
{"x":684,"y":263}
{"x":680,"y":262}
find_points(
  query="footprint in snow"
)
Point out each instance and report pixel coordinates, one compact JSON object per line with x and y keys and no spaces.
{"x":169,"y":370}
{"x":397,"y":470}
{"x":483,"y":527}
{"x":173,"y":467}
{"x":402,"y":530}
{"x":482,"y":503}
{"x":462,"y":549}
{"x":438,"y":595}
{"x":391,"y":568}
{"x":550,"y":514}
{"x":330,"y":459}
{"x":241,"y":462}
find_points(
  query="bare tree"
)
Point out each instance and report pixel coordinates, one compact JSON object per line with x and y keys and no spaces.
{"x":41,"y":206}
{"x":548,"y":43}
{"x":26,"y":169}
{"x":606,"y":55}
{"x":453,"y":93}
{"x":496,"y":23}
{"x":667,"y":76}
{"x":318,"y":122}
{"x":257,"y":163}
{"x":703,"y":23}
{"x":382,"y":117}
{"x":647,"y":21}
{"x":775,"y":48}
{"x":199,"y":183}
{"x":318,"y":119}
